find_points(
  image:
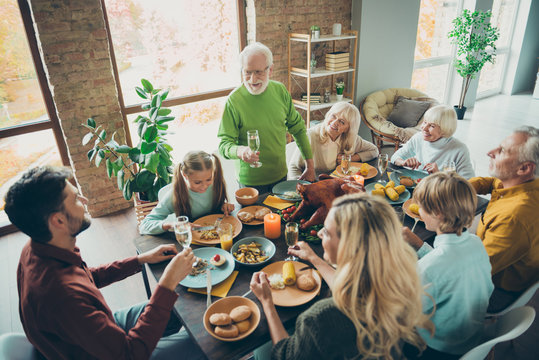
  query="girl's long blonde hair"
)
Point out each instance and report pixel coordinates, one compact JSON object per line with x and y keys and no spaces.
{"x":376,"y":282}
{"x":197,"y":161}
{"x":348,"y":112}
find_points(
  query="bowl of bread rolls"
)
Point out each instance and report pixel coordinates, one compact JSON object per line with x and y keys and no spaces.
{"x":231,"y":318}
{"x":246,"y":196}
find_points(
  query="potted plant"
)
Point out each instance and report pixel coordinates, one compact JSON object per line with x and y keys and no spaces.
{"x":315,"y":32}
{"x":146,"y":167}
{"x":339,"y":88}
{"x":475,"y":39}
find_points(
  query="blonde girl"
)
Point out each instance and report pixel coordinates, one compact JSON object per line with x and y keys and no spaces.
{"x":198,"y":189}
{"x":376,"y":303}
{"x":335,"y":136}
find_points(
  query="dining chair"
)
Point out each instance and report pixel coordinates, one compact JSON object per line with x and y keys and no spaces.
{"x":502,"y":328}
{"x":15,"y":346}
{"x":521,"y":301}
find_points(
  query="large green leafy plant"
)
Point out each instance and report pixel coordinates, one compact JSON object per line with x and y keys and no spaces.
{"x":146,"y":167}
{"x":475,"y":39}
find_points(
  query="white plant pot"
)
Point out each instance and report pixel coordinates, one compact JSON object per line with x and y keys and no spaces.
{"x":339,"y":97}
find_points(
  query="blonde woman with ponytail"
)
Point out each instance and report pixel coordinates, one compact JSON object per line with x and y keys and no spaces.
{"x":198,"y":189}
{"x":376,"y":304}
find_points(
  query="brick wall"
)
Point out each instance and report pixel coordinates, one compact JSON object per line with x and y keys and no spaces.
{"x":274,"y":21}
{"x":73,"y":44}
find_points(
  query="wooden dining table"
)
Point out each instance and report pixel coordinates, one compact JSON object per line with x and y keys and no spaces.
{"x":190,"y":306}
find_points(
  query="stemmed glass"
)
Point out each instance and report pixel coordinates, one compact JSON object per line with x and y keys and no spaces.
{"x":383,"y":160}
{"x":345,"y":163}
{"x":182,"y":230}
{"x":291,"y":233}
{"x":253,"y":141}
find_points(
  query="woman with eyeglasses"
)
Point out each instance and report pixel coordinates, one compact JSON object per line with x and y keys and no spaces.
{"x":337,"y":135}
{"x":376,"y":304}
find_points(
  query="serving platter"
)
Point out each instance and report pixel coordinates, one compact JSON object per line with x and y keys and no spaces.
{"x":210,"y":220}
{"x":291,"y":295}
{"x":402,"y":197}
{"x":289,"y":185}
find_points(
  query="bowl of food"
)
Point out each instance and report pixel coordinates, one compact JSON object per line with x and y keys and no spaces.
{"x":231,"y":318}
{"x":253,"y":251}
{"x":246,"y":196}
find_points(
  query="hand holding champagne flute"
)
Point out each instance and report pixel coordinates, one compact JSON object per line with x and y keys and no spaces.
{"x":291,"y":233}
{"x":253,"y":141}
{"x":182,"y":230}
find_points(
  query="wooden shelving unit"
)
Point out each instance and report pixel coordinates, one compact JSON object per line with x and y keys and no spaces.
{"x":295,"y":38}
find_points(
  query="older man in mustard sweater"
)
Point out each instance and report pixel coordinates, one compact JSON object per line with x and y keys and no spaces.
{"x":264,"y":105}
{"x":509,"y":227}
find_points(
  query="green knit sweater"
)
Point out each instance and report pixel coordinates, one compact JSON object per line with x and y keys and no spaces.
{"x":272,"y":113}
{"x":322,"y":332}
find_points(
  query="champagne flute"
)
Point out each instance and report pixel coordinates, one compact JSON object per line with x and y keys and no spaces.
{"x":291,"y":233}
{"x":449,"y":166}
{"x":345,"y":163}
{"x":182,"y":230}
{"x":383,"y":160}
{"x":253,"y":141}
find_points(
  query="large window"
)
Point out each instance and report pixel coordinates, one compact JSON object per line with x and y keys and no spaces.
{"x":492,"y":75}
{"x":189,"y":47}
{"x":433,"y":51}
{"x":27,"y":133}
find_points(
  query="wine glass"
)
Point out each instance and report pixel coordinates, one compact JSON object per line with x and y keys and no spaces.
{"x":345,"y":163}
{"x":253,"y":141}
{"x":383,"y":160}
{"x":182,"y":230}
{"x":449,"y":166}
{"x":291,"y":233}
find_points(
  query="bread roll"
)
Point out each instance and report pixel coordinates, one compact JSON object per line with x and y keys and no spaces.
{"x":240,"y":313}
{"x":406,"y":181}
{"x":228,"y":331}
{"x":306,"y":282}
{"x":220,"y":319}
{"x":245,"y":216}
{"x":243,"y":326}
{"x":260,"y":213}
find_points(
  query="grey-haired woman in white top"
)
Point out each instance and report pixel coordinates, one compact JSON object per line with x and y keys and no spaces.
{"x":335,"y":136}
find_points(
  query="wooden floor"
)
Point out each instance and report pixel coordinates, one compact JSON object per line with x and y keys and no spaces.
{"x":110,"y":238}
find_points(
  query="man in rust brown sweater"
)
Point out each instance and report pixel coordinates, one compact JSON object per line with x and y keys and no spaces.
{"x":63,"y":313}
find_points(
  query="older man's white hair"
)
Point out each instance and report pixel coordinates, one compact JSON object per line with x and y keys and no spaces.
{"x":529,"y":151}
{"x":254,"y":49}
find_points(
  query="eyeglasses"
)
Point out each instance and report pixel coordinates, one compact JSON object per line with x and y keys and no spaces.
{"x":249,"y":73}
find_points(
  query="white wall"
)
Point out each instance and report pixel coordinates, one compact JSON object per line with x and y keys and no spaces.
{"x":387,"y":35}
{"x":526,"y":71}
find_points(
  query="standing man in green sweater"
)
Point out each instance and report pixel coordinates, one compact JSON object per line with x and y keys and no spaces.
{"x":264,"y":105}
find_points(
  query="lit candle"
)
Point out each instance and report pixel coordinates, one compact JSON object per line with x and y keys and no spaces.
{"x":359,"y":179}
{"x":272,"y":226}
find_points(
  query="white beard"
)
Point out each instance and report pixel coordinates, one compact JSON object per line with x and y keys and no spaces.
{"x":258,"y":91}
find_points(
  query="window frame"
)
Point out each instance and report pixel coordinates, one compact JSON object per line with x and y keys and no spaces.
{"x":52,"y":123}
{"x":173,"y":101}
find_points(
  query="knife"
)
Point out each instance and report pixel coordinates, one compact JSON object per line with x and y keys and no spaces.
{"x":208,"y":287}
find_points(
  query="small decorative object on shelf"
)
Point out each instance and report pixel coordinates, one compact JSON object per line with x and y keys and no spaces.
{"x":327,"y":93}
{"x":337,"y":29}
{"x":316,"y":98}
{"x":339,"y":88}
{"x":315,"y":32}
{"x":337,"y":61}
{"x":313,"y":63}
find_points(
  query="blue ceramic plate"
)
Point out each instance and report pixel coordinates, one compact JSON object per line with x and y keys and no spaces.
{"x":414,"y":174}
{"x":402,"y":197}
{"x":218,"y":273}
{"x":285,"y":186}
{"x":268,"y":247}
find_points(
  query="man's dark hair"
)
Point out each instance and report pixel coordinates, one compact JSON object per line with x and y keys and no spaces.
{"x":33,"y":198}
